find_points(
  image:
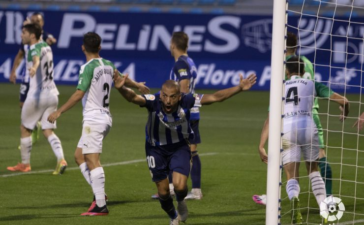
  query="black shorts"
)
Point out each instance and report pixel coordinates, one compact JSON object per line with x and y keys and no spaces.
{"x":163,"y":159}
{"x":24,"y":88}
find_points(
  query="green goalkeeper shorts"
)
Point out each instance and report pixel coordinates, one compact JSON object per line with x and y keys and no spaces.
{"x":316,"y":118}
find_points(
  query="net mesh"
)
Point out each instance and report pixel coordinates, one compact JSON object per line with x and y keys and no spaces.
{"x":330,"y":34}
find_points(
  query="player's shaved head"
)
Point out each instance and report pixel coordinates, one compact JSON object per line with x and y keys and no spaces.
{"x":295,"y":66}
{"x":180,"y":40}
{"x":291,"y":41}
{"x":92,"y":42}
{"x":171,"y":84}
{"x":33,"y":28}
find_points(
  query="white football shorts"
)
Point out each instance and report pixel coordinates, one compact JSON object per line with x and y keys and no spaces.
{"x":300,"y":136}
{"x":92,"y":136}
{"x":38,"y":109}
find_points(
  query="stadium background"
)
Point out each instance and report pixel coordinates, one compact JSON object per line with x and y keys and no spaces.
{"x":227,"y":37}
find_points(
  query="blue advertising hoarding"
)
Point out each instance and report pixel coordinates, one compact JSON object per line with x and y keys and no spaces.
{"x":222,"y":46}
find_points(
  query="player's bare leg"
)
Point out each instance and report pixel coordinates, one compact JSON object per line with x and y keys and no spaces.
{"x":25,"y":150}
{"x":196,"y":192}
{"x":293,"y":190}
{"x":166,"y":200}
{"x":56,"y":145}
{"x":97,"y":176}
{"x":180,"y":189}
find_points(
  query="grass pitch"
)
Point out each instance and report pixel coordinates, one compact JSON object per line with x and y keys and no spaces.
{"x":231,"y":168}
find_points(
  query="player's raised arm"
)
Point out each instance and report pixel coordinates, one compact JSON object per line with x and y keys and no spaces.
{"x":142,"y":88}
{"x":127,"y":93}
{"x":219,"y":96}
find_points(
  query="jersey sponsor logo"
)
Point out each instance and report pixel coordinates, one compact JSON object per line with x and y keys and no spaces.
{"x":150,"y":97}
{"x":182,"y":72}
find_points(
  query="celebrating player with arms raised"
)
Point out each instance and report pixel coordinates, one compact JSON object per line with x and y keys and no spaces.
{"x":167,"y":133}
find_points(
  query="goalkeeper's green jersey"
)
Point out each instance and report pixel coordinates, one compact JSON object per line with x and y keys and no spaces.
{"x":309,"y":74}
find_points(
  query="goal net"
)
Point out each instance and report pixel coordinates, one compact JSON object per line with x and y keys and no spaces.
{"x":330,"y":34}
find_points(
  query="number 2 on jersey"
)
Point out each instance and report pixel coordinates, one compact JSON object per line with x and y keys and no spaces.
{"x":294,"y":98}
{"x":46,"y":67}
{"x":106,"y":97}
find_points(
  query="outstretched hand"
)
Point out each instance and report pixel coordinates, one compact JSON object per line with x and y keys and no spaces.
{"x":360,"y":122}
{"x":142,"y":88}
{"x":246,"y":84}
{"x":263,"y":155}
{"x":53,"y":117}
{"x":119,"y":81}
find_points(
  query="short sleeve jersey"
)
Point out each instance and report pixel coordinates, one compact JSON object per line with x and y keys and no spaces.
{"x":25,"y":49}
{"x":95,"y":79}
{"x":42,"y":83}
{"x":299,"y":96}
{"x":309,"y":74}
{"x":185,"y":68}
{"x":166,"y":129}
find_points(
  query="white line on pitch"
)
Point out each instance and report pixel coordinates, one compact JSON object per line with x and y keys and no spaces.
{"x":350,"y":222}
{"x":103,"y":165}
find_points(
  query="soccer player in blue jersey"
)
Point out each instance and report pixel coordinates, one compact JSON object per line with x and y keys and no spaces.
{"x":36,"y":18}
{"x":184,"y":71}
{"x":168,"y":132}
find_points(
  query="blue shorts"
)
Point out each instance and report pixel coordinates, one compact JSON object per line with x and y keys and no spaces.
{"x":162,"y":159}
{"x":24,"y":88}
{"x":196,"y":131}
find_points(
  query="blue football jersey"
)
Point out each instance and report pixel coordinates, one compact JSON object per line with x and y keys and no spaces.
{"x":185,"y":68}
{"x":166,"y":129}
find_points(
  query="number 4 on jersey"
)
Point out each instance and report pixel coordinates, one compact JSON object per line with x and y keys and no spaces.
{"x":294,"y":98}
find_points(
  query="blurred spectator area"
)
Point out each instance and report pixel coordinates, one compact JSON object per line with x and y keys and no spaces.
{"x":248,"y":7}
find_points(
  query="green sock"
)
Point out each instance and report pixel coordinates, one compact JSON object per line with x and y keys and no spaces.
{"x":326,"y":174}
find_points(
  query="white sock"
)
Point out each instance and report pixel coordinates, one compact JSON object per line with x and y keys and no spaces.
{"x":98,"y":185}
{"x":171,"y":188}
{"x":25,"y":149}
{"x":318,"y":186}
{"x":85,"y":172}
{"x":292,"y":188}
{"x":56,"y":146}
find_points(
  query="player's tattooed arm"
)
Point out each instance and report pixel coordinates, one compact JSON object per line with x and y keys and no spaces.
{"x":219,"y":96}
{"x":34,"y":68}
{"x":127,"y":93}
{"x":142,"y":88}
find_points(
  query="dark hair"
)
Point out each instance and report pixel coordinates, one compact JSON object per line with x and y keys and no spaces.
{"x":295,"y":65}
{"x":291,"y":41}
{"x":34,"y":29}
{"x":38,"y":14}
{"x":92,"y":42}
{"x":180,"y":39}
